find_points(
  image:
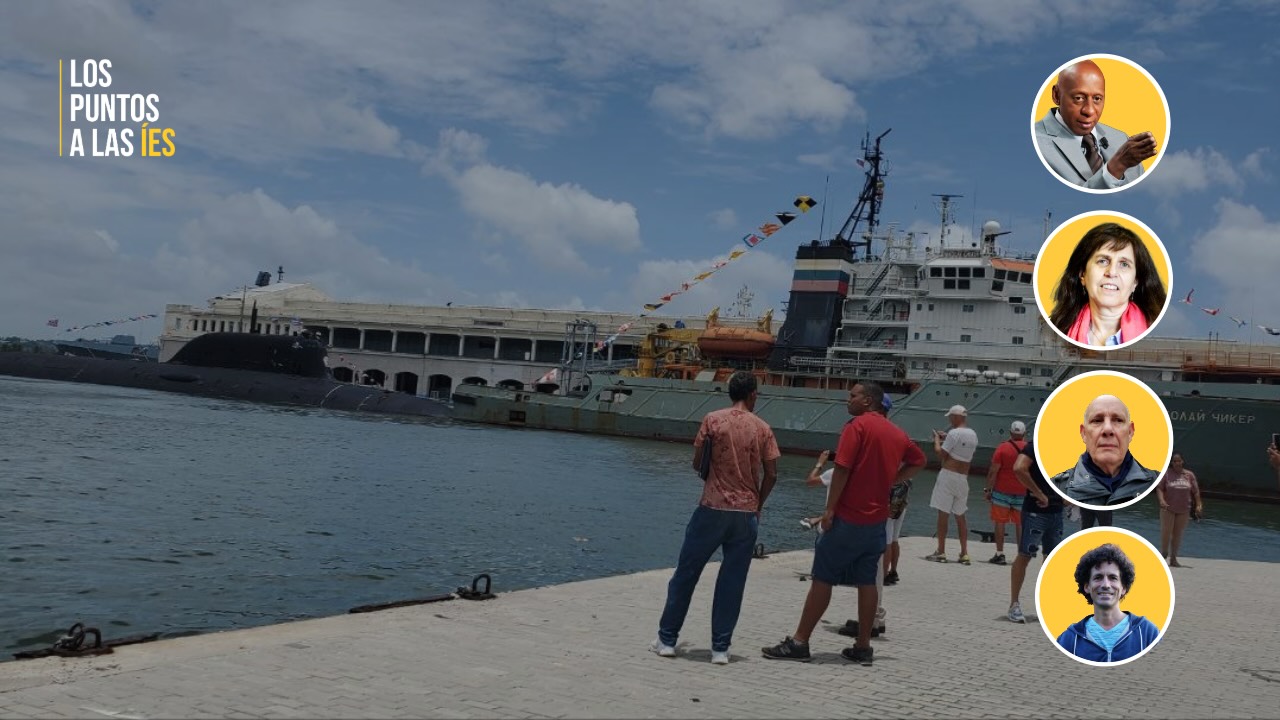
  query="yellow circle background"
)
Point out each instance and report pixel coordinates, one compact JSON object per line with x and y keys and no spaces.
{"x":1132,"y":103}
{"x":1059,"y":602}
{"x":1052,"y":260}
{"x":1057,"y":431}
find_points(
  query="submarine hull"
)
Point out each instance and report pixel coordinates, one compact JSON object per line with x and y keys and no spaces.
{"x":218,"y":382}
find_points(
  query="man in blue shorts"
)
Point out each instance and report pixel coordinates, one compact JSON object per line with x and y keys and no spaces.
{"x":1041,"y":524}
{"x":872,"y":456}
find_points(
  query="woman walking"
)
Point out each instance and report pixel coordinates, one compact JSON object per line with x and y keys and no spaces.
{"x":1179,"y":496}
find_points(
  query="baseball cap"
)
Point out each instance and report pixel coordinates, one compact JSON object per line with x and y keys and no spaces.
{"x":958,"y":410}
{"x":1018,"y":428}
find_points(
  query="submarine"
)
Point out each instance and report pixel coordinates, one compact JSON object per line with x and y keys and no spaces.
{"x":275,"y":369}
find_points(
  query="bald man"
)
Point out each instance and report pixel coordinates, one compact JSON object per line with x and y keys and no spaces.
{"x":1074,"y":142}
{"x":1107,"y":473}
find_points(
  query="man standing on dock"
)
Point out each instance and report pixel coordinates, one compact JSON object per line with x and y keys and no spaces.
{"x":1003,"y":490}
{"x":1041,"y":525}
{"x":873,"y":455}
{"x":727,"y":517}
{"x":955,"y":450}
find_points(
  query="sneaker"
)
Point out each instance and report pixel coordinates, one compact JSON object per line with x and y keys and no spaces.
{"x":662,"y":649}
{"x":809,"y":523}
{"x":788,"y":649}
{"x":1015,"y":613}
{"x":964,"y":560}
{"x":998,"y":559}
{"x":719,"y":657}
{"x":862,"y":656}
{"x":891,"y":577}
{"x":850,"y":629}
{"x":936,"y":557}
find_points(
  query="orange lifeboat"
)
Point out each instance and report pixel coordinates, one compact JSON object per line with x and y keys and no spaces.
{"x":735,"y":342}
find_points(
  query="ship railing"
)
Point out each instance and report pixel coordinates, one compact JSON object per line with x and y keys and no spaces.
{"x":868,"y":344}
{"x":890,"y":316}
{"x":835,"y":363}
{"x":1261,"y":359}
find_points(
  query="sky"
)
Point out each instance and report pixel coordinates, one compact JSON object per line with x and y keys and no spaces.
{"x":595,"y":155}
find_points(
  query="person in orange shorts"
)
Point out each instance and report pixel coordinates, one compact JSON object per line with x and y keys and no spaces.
{"x":1003,"y":491}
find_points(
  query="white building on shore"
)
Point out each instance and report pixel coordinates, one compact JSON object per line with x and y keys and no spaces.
{"x":416,"y":349}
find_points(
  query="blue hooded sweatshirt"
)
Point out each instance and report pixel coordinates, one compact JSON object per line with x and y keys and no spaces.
{"x":1141,"y":634}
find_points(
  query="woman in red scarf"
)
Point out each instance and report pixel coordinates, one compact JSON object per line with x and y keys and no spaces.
{"x":1110,"y":291}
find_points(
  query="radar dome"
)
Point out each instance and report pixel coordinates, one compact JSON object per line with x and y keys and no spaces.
{"x":990,"y":227}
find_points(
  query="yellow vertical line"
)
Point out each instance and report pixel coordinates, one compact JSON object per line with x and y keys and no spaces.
{"x":59,"y":107}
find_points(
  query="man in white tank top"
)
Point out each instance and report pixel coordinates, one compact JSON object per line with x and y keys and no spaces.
{"x":955,"y":449}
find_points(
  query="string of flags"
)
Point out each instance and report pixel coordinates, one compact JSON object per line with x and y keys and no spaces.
{"x":752,"y":239}
{"x":53,"y":322}
{"x":1214,"y":311}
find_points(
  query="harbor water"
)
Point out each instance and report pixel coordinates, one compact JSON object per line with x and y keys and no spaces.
{"x":136,"y":511}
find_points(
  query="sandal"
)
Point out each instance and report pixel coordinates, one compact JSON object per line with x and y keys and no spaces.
{"x":936,"y":557}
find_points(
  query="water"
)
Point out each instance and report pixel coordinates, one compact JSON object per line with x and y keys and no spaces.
{"x":137,"y":511}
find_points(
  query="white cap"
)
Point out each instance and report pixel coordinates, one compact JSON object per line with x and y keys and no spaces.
{"x":958,"y":410}
{"x":1018,"y":428}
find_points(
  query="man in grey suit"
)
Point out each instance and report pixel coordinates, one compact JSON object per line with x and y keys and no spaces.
{"x":1078,"y":147}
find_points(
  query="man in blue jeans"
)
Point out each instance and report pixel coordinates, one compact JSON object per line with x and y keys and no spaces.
{"x":742,"y":450}
{"x":1041,"y":524}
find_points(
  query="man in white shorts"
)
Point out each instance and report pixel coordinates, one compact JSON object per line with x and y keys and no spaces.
{"x":955,"y":450}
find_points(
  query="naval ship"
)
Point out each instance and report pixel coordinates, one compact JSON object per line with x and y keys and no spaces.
{"x":937,"y":323}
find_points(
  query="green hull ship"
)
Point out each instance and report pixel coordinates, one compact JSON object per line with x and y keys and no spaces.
{"x":936,"y":323}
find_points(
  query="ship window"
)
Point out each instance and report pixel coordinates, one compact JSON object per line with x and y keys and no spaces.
{"x":948,"y":272}
{"x":964,"y":272}
{"x":1019,"y":309}
{"x":983,"y":368}
{"x":979,"y":272}
{"x":948,"y":284}
{"x":1025,"y":278}
{"x":966,"y":308}
{"x":928,"y":336}
{"x":917,"y":337}
{"x":966,"y":338}
{"x":964,"y":284}
{"x":1015,"y":300}
{"x":915,"y":364}
{"x":935,"y":272}
{"x":999,"y":274}
{"x":919,"y":307}
{"x":1046,"y":372}
{"x":1017,"y":340}
{"x":952,"y":365}
{"x":930,"y":307}
{"x":1024,"y":371}
{"x":997,"y":286}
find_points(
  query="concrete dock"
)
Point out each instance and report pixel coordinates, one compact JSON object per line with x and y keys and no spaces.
{"x":580,"y":650}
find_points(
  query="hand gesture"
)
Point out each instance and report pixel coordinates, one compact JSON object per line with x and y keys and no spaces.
{"x":1132,"y":152}
{"x":825,"y":521}
{"x":1041,"y":499}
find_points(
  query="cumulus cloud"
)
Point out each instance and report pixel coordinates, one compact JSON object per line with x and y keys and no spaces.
{"x":1240,"y":252}
{"x":1203,"y":168}
{"x":724,"y":219}
{"x":553,"y":222}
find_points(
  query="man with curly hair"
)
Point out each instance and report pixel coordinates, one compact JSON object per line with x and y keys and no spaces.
{"x":1104,"y":576}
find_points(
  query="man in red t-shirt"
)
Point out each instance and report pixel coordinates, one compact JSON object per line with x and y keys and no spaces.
{"x":1004,"y":491}
{"x":873,"y":456}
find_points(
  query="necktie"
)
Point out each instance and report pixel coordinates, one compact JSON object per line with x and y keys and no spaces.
{"x":1091,"y":153}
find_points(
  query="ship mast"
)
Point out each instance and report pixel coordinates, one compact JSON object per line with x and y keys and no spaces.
{"x":868,"y":207}
{"x":948,"y":217}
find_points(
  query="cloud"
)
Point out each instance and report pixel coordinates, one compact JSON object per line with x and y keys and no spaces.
{"x":724,"y":219}
{"x":1240,"y":252}
{"x":1202,"y":168}
{"x":766,"y":276}
{"x":553,"y":222}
